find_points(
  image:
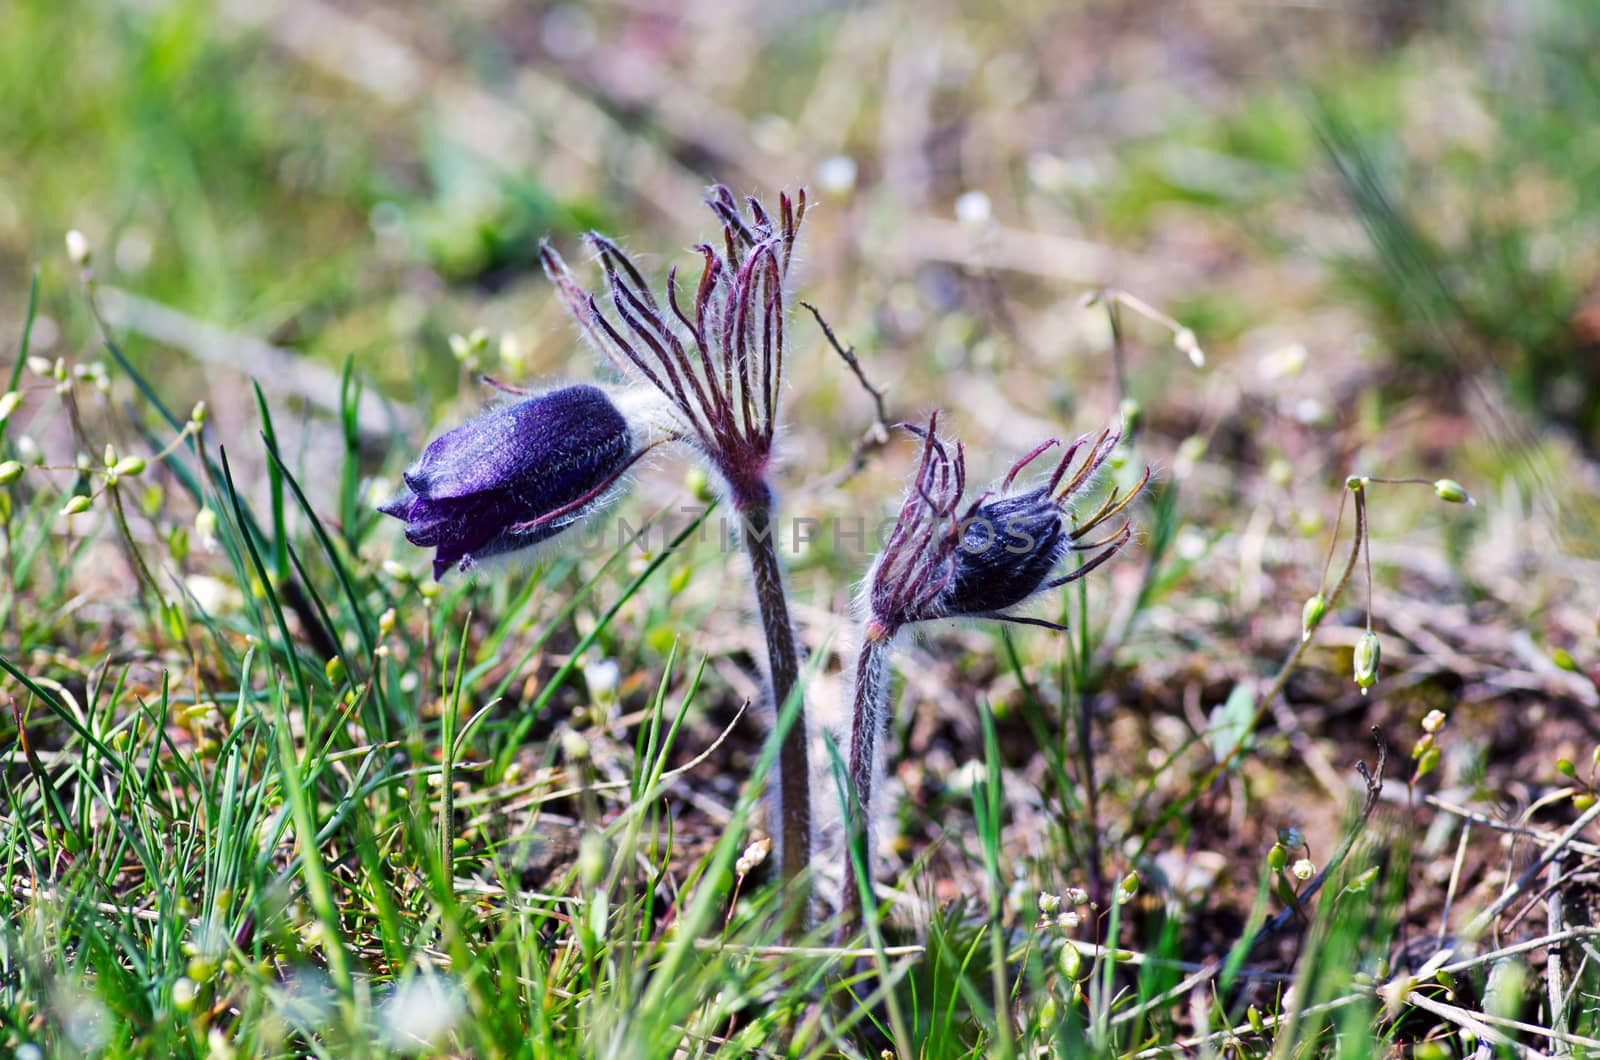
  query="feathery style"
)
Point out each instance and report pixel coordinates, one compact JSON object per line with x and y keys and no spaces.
{"x":718,"y":361}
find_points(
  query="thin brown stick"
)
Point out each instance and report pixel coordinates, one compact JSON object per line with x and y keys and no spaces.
{"x":877,"y":435}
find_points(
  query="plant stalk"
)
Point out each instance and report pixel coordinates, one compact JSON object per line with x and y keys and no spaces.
{"x":1276,"y":687}
{"x":793,"y":807}
{"x":869,"y":716}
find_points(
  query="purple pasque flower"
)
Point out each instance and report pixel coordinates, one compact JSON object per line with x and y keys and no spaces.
{"x":514,"y":477}
{"x":945,"y":561}
{"x":718,"y":361}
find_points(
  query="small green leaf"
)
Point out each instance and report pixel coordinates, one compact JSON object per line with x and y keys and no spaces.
{"x":1230,"y":723}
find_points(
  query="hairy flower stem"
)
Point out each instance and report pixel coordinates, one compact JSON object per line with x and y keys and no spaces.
{"x":869,"y":716}
{"x":793,"y":805}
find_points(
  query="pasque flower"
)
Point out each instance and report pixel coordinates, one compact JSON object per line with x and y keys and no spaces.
{"x":947,"y":558}
{"x":515,"y":477}
{"x":1000,"y":551}
{"x":715,"y":361}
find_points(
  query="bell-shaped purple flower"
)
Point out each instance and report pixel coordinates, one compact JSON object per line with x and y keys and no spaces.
{"x":515,"y":477}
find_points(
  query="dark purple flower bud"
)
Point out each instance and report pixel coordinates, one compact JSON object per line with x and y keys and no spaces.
{"x":1003,"y":550}
{"x":1009,"y":548}
{"x":514,"y":477}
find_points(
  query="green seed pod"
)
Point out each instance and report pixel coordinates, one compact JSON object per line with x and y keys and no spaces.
{"x":1277,"y":858}
{"x":1427,"y":762}
{"x":1365,"y":660}
{"x":10,"y":471}
{"x":1257,"y":1024}
{"x":8,"y":404}
{"x":334,"y":669}
{"x":1582,"y":802}
{"x":129,"y":466}
{"x":1448,"y":489}
{"x":75,"y":505}
{"x":1130,"y":410}
{"x":1069,"y":960}
{"x":1565,"y":767}
{"x":198,"y":413}
{"x":151,"y":500}
{"x":1311,"y":615}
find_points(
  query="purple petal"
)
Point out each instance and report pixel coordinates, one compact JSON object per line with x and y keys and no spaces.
{"x":534,"y":440}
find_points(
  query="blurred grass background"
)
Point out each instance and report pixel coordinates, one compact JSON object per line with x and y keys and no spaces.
{"x":1409,"y":184}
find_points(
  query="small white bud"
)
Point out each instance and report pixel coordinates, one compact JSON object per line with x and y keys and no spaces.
{"x":836,"y":176}
{"x":185,"y":990}
{"x":205,"y":527}
{"x":398,"y":571}
{"x":753,"y":856}
{"x":1184,"y":339}
{"x":78,"y":248}
{"x":973,"y":208}
{"x":574,"y":745}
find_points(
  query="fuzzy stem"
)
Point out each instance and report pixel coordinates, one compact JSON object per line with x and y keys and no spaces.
{"x":794,"y":771}
{"x":869,"y":716}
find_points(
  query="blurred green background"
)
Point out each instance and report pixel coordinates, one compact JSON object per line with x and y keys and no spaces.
{"x":1408,"y":191}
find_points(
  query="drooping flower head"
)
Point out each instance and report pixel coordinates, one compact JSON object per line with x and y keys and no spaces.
{"x":718,"y":361}
{"x":514,"y":477}
{"x":998,"y":552}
